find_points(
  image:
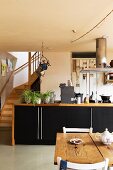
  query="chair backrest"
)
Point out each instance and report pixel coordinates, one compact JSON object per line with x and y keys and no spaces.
{"x":65,"y":130}
{"x":63,"y":165}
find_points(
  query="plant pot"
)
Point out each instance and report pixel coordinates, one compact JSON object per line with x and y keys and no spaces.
{"x":38,"y":100}
{"x":27,"y":100}
{"x":47,"y":100}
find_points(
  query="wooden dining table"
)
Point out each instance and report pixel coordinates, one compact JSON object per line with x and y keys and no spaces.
{"x":91,"y":150}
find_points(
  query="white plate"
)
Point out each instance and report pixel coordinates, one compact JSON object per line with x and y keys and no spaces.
{"x":76,"y":141}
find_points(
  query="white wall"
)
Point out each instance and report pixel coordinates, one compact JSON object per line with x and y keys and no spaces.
{"x":22,"y":76}
{"x":58,"y":72}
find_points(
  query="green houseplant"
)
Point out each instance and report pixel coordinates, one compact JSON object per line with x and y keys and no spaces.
{"x":27,"y":96}
{"x":46,"y":97}
{"x":30,"y":96}
{"x":36,"y":97}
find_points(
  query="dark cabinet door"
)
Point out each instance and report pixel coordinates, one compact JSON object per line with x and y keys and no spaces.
{"x":102,"y":118}
{"x":53,"y":119}
{"x":26,"y":128}
{"x":78,"y":117}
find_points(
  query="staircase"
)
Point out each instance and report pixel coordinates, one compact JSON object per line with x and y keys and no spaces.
{"x":15,"y":95}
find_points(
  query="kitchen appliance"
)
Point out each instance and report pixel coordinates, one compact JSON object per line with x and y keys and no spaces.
{"x":105,"y":99}
{"x":79,"y":98}
{"x":67,"y":94}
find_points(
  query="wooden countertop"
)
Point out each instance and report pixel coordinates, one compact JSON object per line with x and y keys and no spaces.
{"x":66,"y":104}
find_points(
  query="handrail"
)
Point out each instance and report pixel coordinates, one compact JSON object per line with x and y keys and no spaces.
{"x":16,"y":70}
{"x":25,"y":64}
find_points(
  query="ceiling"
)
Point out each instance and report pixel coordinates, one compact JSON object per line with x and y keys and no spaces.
{"x":25,"y":24}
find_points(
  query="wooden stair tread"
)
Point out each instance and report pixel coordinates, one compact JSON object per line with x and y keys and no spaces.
{"x":3,"y":124}
{"x":9,"y":103}
{"x":6,"y":115}
{"x":5,"y":121}
{"x":11,"y":100}
{"x":13,"y":97}
{"x":7,"y":109}
{"x":5,"y":118}
{"x":8,"y":106}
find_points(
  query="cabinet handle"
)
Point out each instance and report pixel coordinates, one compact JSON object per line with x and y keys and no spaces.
{"x":38,"y":125}
{"x":41,"y":123}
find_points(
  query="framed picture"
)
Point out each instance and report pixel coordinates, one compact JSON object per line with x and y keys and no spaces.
{"x":3,"y":67}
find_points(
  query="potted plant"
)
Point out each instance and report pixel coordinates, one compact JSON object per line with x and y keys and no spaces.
{"x":46,"y":97}
{"x":36,"y":97}
{"x":27,"y":96}
{"x":39,"y":97}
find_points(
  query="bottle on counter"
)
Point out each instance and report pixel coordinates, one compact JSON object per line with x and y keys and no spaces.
{"x":69,"y":83}
{"x":86,"y":99}
{"x":91,"y":98}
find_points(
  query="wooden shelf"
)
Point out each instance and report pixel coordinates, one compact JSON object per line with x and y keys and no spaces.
{"x":97,"y":70}
{"x":109,"y":81}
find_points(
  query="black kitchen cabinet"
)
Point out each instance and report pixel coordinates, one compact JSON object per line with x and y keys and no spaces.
{"x":53,"y":119}
{"x":40,"y":124}
{"x":25,"y":128}
{"x":102,"y":118}
{"x":78,"y":117}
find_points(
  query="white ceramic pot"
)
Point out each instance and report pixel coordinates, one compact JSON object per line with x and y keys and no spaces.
{"x":47,"y":100}
{"x":38,"y":100}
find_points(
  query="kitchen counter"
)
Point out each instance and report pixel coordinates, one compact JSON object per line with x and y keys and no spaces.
{"x":38,"y":124}
{"x":67,"y":104}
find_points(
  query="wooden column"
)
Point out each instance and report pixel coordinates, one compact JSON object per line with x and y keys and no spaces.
{"x":29,"y":67}
{"x":100,"y":52}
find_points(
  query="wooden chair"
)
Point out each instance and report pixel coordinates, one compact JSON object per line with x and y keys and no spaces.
{"x":87,"y":130}
{"x":64,"y":165}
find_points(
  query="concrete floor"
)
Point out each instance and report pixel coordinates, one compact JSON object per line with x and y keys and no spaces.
{"x":24,"y":157}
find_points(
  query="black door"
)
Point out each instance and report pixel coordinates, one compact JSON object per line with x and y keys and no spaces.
{"x":78,"y":117}
{"x":54,"y":118}
{"x":25,"y":131}
{"x":102,"y":118}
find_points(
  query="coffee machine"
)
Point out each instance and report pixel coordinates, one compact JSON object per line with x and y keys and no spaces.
{"x":67,"y":93}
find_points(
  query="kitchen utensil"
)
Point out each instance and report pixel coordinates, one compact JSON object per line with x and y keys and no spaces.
{"x":105,"y":97}
{"x":79,"y":97}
